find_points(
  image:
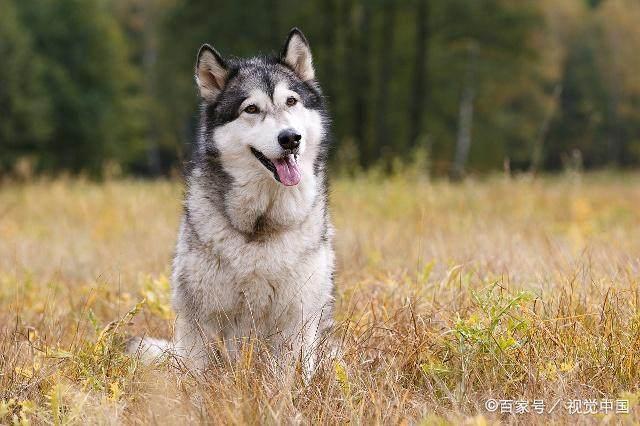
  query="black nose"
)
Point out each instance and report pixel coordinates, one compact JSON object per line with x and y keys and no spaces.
{"x":289,"y":139}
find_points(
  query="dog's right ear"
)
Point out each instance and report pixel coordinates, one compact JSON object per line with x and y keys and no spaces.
{"x":211,"y":73}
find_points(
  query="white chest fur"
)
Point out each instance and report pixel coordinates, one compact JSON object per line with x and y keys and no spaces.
{"x":236,"y":281}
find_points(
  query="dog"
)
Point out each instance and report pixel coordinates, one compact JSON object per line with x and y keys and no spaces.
{"x":254,"y":256}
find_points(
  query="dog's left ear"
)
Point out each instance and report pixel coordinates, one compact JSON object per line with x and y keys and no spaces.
{"x":297,"y":55}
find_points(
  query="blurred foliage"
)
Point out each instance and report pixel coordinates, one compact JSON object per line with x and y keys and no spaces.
{"x":105,"y":86}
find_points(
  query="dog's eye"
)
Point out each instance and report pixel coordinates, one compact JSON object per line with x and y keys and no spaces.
{"x":251,"y":109}
{"x":291,"y":101}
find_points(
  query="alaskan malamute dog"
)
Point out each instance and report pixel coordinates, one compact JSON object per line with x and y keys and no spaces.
{"x":254,"y":257}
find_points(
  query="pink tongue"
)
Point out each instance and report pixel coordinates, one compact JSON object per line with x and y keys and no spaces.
{"x":287,"y":169}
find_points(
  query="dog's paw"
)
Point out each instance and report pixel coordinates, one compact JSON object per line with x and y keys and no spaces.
{"x":149,"y":350}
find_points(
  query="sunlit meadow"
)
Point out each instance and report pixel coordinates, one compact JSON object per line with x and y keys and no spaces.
{"x":447,"y":295}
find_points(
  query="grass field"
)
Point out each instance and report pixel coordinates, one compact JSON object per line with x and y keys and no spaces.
{"x":448,"y":295}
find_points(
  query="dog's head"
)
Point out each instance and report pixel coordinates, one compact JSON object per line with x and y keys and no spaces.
{"x":263,"y":114}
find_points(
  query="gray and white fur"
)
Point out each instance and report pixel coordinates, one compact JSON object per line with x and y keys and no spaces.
{"x":254,"y":256}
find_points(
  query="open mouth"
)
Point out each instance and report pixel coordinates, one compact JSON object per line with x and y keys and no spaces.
{"x":285,"y":169}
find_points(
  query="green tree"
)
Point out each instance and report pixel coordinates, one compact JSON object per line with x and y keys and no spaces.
{"x":88,"y":80}
{"x":478,"y":83}
{"x":618,"y":66}
{"x":25,"y":114}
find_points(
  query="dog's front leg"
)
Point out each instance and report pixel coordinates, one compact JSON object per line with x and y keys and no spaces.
{"x":191,"y":344}
{"x":306,"y":342}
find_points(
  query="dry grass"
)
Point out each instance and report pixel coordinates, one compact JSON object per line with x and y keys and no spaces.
{"x":447,"y":295}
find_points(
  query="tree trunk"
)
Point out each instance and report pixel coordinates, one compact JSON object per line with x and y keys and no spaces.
{"x":149,"y":60}
{"x":344,"y":56}
{"x":381,"y":147}
{"x":465,"y":117}
{"x":328,"y":74}
{"x":420,"y":78}
{"x":361,"y":82}
{"x":614,"y":140}
{"x":615,"y":147}
{"x":538,"y":144}
{"x":275,"y":38}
